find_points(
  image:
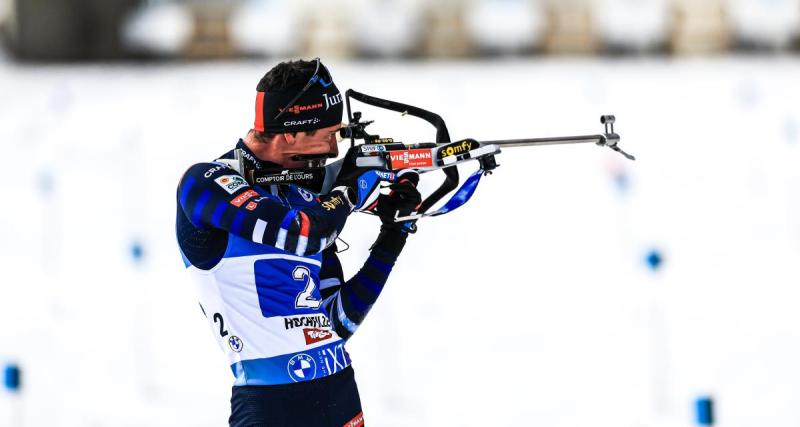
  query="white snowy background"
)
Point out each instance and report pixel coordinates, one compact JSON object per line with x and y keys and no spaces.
{"x":532,"y":305}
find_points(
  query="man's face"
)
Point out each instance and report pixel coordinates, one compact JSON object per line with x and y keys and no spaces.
{"x":323,"y":141}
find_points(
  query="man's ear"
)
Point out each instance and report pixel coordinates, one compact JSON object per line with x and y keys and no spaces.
{"x":290,"y":138}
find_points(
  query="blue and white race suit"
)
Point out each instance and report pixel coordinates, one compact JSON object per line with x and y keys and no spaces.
{"x":267,"y":275}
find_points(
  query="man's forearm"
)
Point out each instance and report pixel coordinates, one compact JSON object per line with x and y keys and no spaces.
{"x":349,"y":304}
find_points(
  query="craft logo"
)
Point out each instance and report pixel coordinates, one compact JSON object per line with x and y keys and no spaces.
{"x":312,"y":121}
{"x":357,"y":421}
{"x":239,"y":200}
{"x":318,"y":321}
{"x":411,"y":159}
{"x":314,"y":335}
{"x":330,"y":101}
{"x":455,"y":149}
{"x":332,"y":203}
{"x":301,"y":367}
{"x":297,"y":109}
{"x":231,"y":183}
{"x":236,"y":344}
{"x":212,"y":170}
{"x":368,"y":148}
{"x":249,"y":156}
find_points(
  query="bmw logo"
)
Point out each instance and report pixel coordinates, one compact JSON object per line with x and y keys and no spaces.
{"x":302,"y":367}
{"x":236,"y":344}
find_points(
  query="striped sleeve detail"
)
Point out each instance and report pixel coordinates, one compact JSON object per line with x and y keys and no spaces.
{"x":328,"y":283}
{"x":186,"y":188}
{"x":349,"y":302}
{"x":258,"y":230}
{"x":212,"y":196}
{"x":342,"y":319}
{"x":219,"y":211}
{"x":238,"y":223}
{"x":302,"y":239}
{"x":283,"y":232}
{"x":199,"y":205}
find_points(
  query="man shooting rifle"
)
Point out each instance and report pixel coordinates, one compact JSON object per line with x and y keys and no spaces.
{"x":263,"y":255}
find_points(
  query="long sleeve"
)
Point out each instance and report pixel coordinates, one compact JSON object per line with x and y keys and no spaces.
{"x":213,"y":196}
{"x":348,"y":303}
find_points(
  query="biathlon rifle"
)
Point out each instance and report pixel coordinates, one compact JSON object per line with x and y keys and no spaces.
{"x":392,"y":156}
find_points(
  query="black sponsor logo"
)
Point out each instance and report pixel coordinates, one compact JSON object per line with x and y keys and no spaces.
{"x":284,"y":178}
{"x":316,"y":321}
{"x":311,"y":179}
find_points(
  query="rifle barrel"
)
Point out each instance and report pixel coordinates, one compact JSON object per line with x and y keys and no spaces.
{"x":597,"y":139}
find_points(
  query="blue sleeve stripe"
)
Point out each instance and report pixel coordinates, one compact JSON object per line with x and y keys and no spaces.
{"x":238,"y":221}
{"x":359,"y":305}
{"x":348,"y":324}
{"x":197,"y":212}
{"x":288,"y":219}
{"x":373,"y":286}
{"x":380,"y":265}
{"x":216,"y":217}
{"x":187,"y":187}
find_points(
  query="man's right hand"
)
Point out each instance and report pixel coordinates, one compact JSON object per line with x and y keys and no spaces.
{"x":363,"y":184}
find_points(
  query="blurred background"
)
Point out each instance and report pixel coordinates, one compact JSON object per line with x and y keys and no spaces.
{"x":576,"y":288}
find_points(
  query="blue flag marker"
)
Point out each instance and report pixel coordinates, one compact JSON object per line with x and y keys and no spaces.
{"x":622,"y":181}
{"x":11,"y":377}
{"x":46,"y":183}
{"x":137,"y":252}
{"x":704,"y":411}
{"x":654,"y":259}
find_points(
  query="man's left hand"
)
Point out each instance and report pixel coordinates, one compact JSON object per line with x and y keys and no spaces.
{"x":402,"y":201}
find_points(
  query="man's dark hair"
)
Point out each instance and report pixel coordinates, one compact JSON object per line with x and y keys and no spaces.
{"x":287,"y":75}
{"x":290,"y":75}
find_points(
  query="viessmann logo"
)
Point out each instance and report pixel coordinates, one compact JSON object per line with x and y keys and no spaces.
{"x":314,"y":335}
{"x":411,"y":158}
{"x":297,"y":109}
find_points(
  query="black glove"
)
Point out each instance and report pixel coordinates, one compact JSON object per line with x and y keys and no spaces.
{"x":401,"y":201}
{"x":347,"y":180}
{"x":349,"y":172}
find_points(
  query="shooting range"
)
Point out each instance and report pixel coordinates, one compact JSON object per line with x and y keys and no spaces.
{"x":575,"y":288}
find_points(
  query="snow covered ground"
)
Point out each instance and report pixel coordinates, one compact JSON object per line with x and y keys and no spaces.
{"x":532,"y":305}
